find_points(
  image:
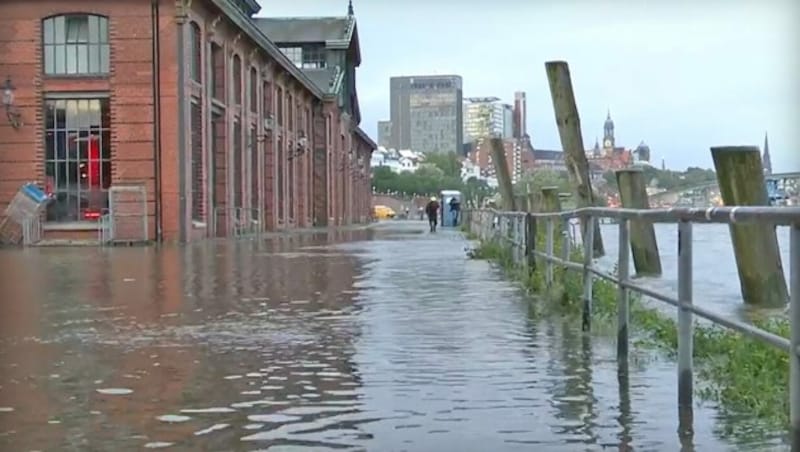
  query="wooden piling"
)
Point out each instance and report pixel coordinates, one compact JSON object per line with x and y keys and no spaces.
{"x":644,"y":247}
{"x":741,"y":183}
{"x":569,"y":130}
{"x":501,"y":172}
{"x":551,"y":202}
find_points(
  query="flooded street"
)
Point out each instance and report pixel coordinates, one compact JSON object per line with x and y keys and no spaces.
{"x":385,"y":339}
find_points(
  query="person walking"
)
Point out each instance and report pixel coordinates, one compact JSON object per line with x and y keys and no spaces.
{"x":432,"y":210}
{"x":455,"y":208}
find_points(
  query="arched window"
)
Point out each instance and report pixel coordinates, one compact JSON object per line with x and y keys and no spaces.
{"x":196,"y":42}
{"x":75,"y":44}
{"x":253,"y":90}
{"x":237,"y":80}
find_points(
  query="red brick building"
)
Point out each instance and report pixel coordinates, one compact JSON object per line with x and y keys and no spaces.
{"x":194,"y":101}
{"x":519,"y":157}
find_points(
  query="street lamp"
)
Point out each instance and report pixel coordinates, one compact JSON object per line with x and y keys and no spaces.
{"x":13,"y":115}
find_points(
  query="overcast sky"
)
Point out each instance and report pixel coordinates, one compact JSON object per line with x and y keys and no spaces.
{"x":680,"y":75}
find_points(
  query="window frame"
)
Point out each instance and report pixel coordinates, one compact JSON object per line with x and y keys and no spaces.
{"x":87,"y":52}
{"x":62,"y":128}
{"x":196,"y":45}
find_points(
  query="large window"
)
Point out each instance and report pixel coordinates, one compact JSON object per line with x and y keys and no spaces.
{"x":306,"y":57}
{"x":290,"y":111}
{"x":198,"y":189}
{"x":217,"y":64}
{"x":237,"y":180}
{"x":196,"y":40}
{"x":290,"y":169}
{"x":279,"y":106}
{"x":280,"y":178}
{"x":77,"y":158}
{"x":267,"y":95}
{"x":236,"y":80}
{"x":75,"y":45}
{"x":218,"y":163}
{"x":255,"y":199}
{"x":253,"y":90}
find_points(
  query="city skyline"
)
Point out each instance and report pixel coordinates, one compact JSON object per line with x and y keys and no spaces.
{"x":681,"y":76}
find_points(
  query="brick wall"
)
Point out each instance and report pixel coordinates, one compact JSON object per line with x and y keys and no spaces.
{"x":324,"y":186}
{"x":128,"y":85}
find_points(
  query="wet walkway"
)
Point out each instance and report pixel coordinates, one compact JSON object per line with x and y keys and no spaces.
{"x":389,"y":340}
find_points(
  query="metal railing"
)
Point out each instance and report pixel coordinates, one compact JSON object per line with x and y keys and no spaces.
{"x":238,"y":221}
{"x":32,"y":230}
{"x":514,"y":229}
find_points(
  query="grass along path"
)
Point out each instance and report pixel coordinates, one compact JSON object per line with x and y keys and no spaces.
{"x":743,"y":377}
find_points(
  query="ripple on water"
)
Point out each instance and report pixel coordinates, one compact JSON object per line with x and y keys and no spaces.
{"x":173,"y":418}
{"x":157,"y":445}
{"x":115,"y":391}
{"x":208,"y":410}
{"x":211,"y":429}
{"x":273,"y":418}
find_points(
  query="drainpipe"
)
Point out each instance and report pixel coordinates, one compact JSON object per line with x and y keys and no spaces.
{"x":156,"y":70}
{"x":181,"y":129}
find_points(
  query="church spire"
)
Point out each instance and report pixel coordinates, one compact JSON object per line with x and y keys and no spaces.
{"x":766,"y":159}
{"x":350,"y":11}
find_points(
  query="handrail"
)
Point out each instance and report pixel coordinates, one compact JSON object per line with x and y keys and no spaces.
{"x":513,"y":229}
{"x":779,"y":216}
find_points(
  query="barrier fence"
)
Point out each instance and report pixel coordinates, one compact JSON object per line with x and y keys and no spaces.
{"x":518,"y":230}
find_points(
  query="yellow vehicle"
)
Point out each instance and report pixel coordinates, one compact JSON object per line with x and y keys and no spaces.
{"x":383,"y":212}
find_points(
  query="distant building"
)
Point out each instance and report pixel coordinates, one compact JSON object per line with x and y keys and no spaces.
{"x":611,"y":157}
{"x":642,"y":153}
{"x":520,"y":116}
{"x":427,"y":113}
{"x":519,"y":159}
{"x":486,"y":117}
{"x":385,"y":133}
{"x":766,"y":159}
{"x":397,"y":161}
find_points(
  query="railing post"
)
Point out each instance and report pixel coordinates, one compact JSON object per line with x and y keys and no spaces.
{"x":530,"y":242}
{"x":794,"y":313}
{"x":685,"y":328}
{"x":623,"y":270}
{"x":588,"y":254}
{"x":548,"y":272}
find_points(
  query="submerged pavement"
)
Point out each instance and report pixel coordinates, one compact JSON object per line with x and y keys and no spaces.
{"x":386,"y":339}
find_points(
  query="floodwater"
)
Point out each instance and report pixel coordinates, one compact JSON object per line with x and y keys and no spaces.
{"x":386,"y":339}
{"x":716,"y":281}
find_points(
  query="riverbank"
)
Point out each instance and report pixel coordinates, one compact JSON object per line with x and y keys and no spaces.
{"x":742,"y":377}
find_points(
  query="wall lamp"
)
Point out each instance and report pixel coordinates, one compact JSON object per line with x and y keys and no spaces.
{"x":12,"y":113}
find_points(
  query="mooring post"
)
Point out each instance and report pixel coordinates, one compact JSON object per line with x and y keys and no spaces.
{"x":588,"y":254}
{"x":503,"y":177}
{"x":758,"y":259}
{"x":569,"y":131}
{"x":794,"y":318}
{"x":633,"y":194}
{"x":685,"y":328}
{"x":623,"y":315}
{"x":550,"y":204}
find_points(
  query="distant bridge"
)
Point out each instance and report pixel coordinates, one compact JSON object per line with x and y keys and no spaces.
{"x":713,"y":185}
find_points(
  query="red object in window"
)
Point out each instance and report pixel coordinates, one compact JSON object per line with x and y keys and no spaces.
{"x":93,"y":172}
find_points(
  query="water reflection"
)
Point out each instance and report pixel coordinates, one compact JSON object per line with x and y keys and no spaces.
{"x":388,"y":339}
{"x":121,"y":348}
